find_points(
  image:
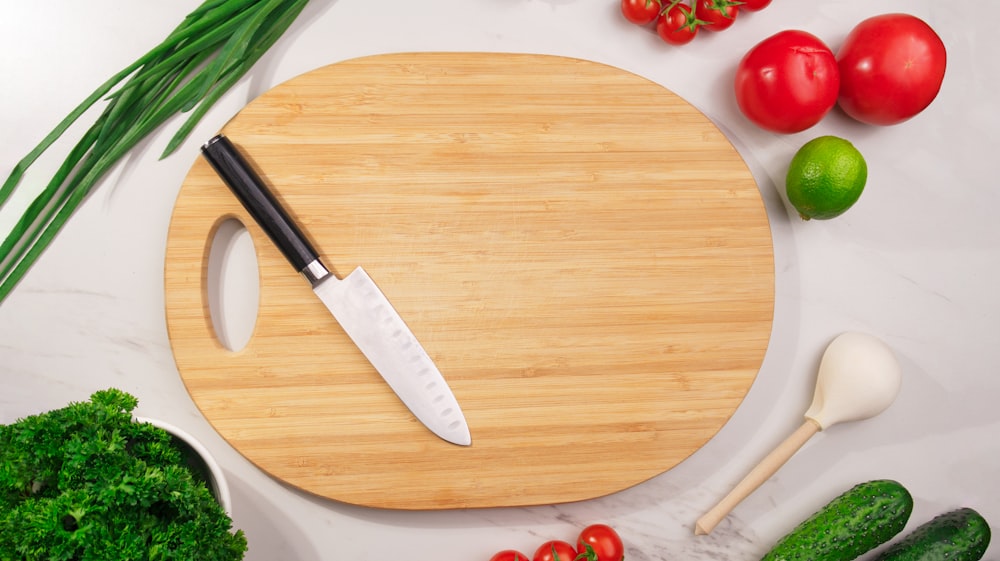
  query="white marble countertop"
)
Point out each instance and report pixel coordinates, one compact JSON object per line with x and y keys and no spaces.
{"x":914,"y":262}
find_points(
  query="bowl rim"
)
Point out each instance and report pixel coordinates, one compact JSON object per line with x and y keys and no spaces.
{"x":217,"y":477}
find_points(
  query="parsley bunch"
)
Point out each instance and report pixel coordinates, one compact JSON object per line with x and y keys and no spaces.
{"x":88,"y":483}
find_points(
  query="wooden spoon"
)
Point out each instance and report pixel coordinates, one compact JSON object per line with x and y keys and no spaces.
{"x":859,"y":378}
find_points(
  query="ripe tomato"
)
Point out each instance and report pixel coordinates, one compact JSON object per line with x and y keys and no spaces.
{"x":754,"y":5}
{"x":678,"y":25}
{"x":555,"y":550}
{"x":787,"y":82}
{"x":891,"y":68}
{"x":603,"y":540}
{"x":509,"y":555}
{"x":641,"y":12}
{"x":717,"y":14}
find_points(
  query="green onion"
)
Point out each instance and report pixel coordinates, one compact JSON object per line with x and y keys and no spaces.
{"x":197,"y":63}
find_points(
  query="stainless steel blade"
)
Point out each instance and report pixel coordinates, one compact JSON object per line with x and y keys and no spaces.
{"x":377,"y":329}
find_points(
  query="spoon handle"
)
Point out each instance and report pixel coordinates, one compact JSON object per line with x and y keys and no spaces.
{"x":757,"y":476}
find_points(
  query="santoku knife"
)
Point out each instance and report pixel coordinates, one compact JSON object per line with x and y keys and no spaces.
{"x":355,"y":301}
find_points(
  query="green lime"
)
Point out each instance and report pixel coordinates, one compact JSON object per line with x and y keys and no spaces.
{"x":825,"y":178}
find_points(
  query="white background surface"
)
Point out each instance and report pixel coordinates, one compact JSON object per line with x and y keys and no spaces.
{"x":914,"y":262}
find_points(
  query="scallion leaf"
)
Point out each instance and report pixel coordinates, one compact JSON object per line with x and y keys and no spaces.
{"x":191,"y":69}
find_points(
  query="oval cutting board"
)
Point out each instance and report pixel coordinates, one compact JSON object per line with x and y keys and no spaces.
{"x":583,"y":253}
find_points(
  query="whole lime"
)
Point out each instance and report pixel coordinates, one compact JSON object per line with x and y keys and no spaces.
{"x":825,"y":178}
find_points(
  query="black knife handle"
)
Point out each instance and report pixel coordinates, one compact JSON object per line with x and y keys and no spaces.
{"x":251,"y":191}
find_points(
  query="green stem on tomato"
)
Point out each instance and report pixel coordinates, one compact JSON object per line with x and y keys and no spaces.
{"x":670,"y":7}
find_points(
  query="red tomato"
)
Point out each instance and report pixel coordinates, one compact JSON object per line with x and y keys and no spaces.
{"x":754,"y":5}
{"x":891,"y":68}
{"x":717,"y":14}
{"x":678,"y":25}
{"x":603,"y":541}
{"x":641,"y":12}
{"x":787,"y":82}
{"x":555,"y":550}
{"x":509,"y":555}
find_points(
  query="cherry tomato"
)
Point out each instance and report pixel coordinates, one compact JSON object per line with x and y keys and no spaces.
{"x":891,"y":68}
{"x":509,"y":555}
{"x":555,"y":550}
{"x":678,"y":25}
{"x":787,"y":82}
{"x":755,"y":5}
{"x":718,"y":14}
{"x":641,"y":12}
{"x":603,"y":540}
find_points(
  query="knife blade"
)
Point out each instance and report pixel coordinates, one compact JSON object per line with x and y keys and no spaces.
{"x":355,"y":301}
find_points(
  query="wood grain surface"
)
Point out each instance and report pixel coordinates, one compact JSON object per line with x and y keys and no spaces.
{"x":583,"y":253}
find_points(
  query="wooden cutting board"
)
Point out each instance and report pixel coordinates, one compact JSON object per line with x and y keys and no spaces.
{"x":583,"y":253}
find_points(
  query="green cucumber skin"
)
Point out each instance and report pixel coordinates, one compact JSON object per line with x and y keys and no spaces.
{"x":958,"y":535}
{"x":859,"y":520}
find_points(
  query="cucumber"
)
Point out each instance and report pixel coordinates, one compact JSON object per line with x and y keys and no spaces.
{"x":959,"y":535}
{"x":861,"y":519}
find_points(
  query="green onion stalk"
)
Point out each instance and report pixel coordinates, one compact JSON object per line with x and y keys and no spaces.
{"x":197,"y":63}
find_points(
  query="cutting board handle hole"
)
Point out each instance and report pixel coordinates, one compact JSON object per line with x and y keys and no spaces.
{"x":233,"y":284}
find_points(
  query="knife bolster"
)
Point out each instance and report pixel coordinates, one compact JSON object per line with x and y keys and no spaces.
{"x":314,"y":272}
